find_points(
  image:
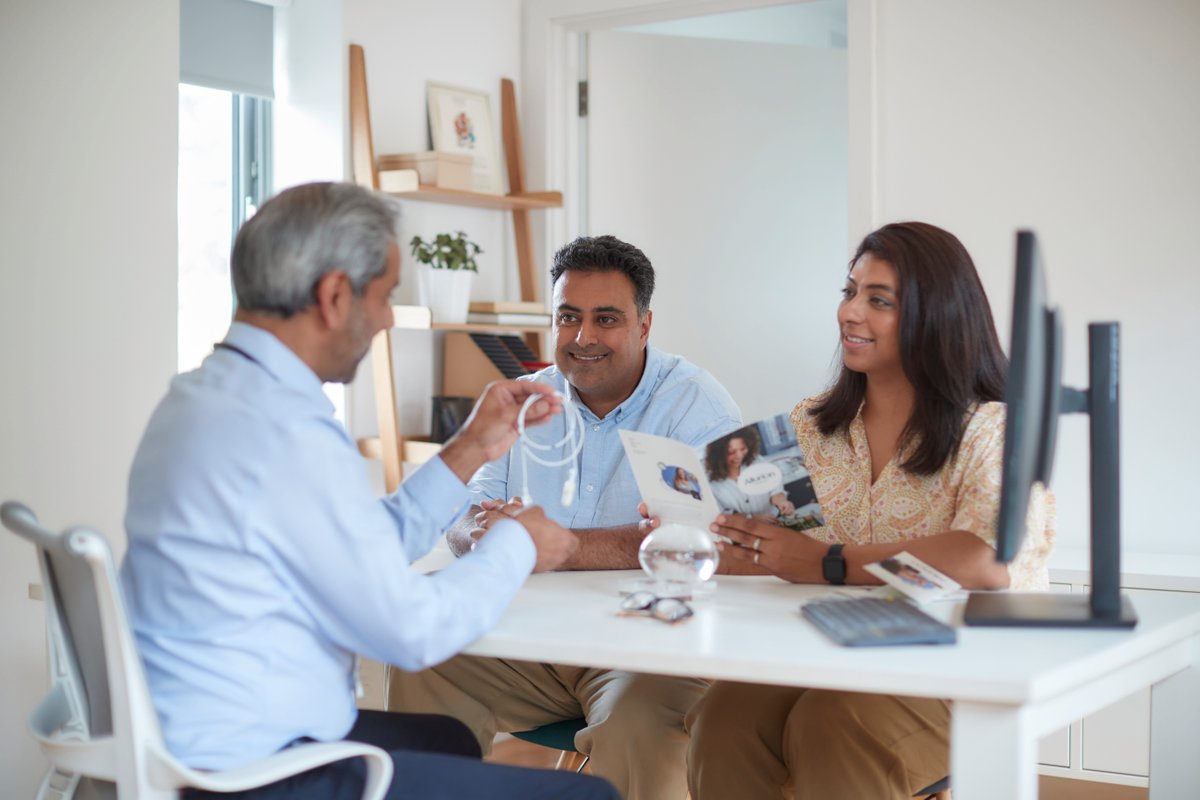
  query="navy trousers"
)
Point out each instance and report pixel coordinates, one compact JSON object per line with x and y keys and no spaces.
{"x":436,"y":758}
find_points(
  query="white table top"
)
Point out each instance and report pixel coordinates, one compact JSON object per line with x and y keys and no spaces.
{"x":751,"y":630}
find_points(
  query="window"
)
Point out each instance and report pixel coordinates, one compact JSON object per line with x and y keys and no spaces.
{"x":224,"y":175}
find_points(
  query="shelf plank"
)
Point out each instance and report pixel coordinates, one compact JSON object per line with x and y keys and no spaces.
{"x":417,"y":449}
{"x":479,"y":327}
{"x":526,"y":201}
{"x":419,"y":318}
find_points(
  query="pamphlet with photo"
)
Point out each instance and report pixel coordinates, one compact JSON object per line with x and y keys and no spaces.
{"x":757,"y":469}
{"x":670,"y":479}
{"x":914,"y":578}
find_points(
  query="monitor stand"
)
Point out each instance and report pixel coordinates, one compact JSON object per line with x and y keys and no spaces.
{"x":1043,"y":610}
{"x":1104,"y":606}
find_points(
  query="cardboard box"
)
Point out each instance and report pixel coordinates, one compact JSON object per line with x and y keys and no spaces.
{"x":435,"y":168}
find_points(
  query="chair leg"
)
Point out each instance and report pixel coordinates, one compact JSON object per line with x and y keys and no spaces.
{"x":569,"y":759}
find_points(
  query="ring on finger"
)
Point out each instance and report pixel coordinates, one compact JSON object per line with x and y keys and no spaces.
{"x":757,"y":543}
{"x":757,"y":553}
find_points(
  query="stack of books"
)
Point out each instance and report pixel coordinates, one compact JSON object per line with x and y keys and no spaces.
{"x":516,"y":312}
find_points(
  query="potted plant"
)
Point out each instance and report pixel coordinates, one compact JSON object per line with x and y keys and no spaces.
{"x":444,"y":282}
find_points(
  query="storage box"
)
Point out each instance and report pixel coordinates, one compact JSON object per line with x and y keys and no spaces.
{"x":435,"y":168}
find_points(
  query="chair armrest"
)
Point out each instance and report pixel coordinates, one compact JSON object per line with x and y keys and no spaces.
{"x":285,"y":764}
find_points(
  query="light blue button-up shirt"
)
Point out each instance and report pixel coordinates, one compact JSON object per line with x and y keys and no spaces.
{"x":260,"y":561}
{"x":674,"y":398}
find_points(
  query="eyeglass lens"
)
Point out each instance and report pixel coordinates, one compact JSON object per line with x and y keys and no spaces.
{"x":667,"y":609}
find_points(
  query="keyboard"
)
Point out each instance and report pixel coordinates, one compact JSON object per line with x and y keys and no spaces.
{"x":874,"y":621}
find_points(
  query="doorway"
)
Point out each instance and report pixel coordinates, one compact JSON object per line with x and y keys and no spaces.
{"x":719,"y":146}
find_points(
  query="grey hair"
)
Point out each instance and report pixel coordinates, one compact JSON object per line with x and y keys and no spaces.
{"x":303,"y":233}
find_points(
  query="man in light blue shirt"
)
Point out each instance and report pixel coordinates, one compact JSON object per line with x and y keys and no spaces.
{"x":259,"y":560}
{"x":602,"y":320}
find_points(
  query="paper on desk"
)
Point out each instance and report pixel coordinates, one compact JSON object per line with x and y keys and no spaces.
{"x":915,"y":579}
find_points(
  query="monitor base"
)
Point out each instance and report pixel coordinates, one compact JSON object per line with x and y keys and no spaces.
{"x":1046,"y":610}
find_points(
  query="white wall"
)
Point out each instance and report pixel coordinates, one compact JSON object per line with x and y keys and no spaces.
{"x":88,"y":274}
{"x":1104,"y":166}
{"x":310,"y":93}
{"x":1078,"y":118}
{"x":726,"y":162}
{"x":407,"y":44}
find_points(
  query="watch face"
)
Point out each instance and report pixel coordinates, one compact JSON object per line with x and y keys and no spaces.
{"x":834,"y":566}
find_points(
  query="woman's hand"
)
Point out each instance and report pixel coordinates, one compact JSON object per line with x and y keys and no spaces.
{"x":781,"y":551}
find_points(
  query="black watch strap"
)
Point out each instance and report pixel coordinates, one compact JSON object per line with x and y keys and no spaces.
{"x":833,"y":565}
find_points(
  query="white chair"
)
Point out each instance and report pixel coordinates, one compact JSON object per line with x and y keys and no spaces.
{"x":98,"y":726}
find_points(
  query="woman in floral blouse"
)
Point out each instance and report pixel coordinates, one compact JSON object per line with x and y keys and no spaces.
{"x":904,"y":452}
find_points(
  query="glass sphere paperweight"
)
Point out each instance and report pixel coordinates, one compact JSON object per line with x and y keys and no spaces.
{"x":678,"y":558}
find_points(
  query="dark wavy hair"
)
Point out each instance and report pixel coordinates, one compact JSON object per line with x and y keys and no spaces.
{"x":608,"y":254}
{"x":714,"y":453}
{"x":949,"y":349}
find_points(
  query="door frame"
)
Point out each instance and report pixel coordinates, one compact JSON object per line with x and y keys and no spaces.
{"x":550,"y":87}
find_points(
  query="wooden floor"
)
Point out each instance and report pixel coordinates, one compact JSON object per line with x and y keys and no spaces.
{"x":517,"y":752}
{"x":508,"y":750}
{"x":1067,"y":789}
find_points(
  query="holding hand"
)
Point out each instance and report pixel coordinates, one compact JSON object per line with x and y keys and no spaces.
{"x":554,"y":543}
{"x":789,"y":554}
{"x":494,"y":510}
{"x":647,"y":522}
{"x":492,"y":427}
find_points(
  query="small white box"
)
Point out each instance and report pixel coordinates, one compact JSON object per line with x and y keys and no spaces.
{"x":435,"y":168}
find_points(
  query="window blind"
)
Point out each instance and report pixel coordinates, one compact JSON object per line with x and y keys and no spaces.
{"x":227,"y":44}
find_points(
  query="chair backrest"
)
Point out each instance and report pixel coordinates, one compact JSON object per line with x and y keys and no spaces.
{"x":99,"y":693}
{"x":98,"y":726}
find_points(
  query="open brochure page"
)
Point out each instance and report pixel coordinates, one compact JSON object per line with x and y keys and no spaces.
{"x":757,"y":469}
{"x":670,"y":478}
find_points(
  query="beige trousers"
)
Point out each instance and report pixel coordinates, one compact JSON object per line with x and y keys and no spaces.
{"x":750,"y":741}
{"x":634,"y":736}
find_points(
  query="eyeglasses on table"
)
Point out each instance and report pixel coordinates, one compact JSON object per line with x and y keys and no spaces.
{"x":648,"y":604}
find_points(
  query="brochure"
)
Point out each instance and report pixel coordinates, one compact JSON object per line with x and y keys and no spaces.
{"x":757,"y":469}
{"x":913,"y":578}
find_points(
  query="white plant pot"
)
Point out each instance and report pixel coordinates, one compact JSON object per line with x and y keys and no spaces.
{"x":447,"y":292}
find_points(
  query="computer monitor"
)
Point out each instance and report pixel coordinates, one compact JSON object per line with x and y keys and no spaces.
{"x":1035,"y":397}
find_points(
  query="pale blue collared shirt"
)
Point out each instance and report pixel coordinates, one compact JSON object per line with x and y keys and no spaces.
{"x":674,"y":398}
{"x":260,"y":561}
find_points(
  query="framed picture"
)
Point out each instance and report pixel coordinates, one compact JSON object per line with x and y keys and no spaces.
{"x":460,"y":121}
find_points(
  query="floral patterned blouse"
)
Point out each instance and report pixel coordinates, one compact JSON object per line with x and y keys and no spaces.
{"x":898,"y":506}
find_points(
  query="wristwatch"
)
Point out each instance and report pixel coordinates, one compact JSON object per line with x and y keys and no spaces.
{"x":833,"y":565}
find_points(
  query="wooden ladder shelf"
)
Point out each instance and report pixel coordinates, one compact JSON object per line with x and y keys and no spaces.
{"x":392,"y":447}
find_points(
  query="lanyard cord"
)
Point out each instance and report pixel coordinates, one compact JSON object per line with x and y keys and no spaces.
{"x":233,"y":348}
{"x":571,"y":442}
{"x":573,"y":439}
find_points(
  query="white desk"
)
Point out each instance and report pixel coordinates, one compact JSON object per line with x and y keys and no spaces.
{"x":1009,"y":687}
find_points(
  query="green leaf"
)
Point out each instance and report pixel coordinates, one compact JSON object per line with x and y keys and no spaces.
{"x":447,"y":251}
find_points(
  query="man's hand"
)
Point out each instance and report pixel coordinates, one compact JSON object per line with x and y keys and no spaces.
{"x":554,"y":543}
{"x":494,"y":510}
{"x":492,"y":427}
{"x":647,"y":523}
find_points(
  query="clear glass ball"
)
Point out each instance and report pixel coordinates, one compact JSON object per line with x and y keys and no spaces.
{"x":674,"y":554}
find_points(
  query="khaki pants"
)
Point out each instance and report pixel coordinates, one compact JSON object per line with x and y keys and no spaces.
{"x":750,"y":741}
{"x":634,"y":736}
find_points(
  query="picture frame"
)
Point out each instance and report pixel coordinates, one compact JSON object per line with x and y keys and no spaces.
{"x":460,"y":121}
